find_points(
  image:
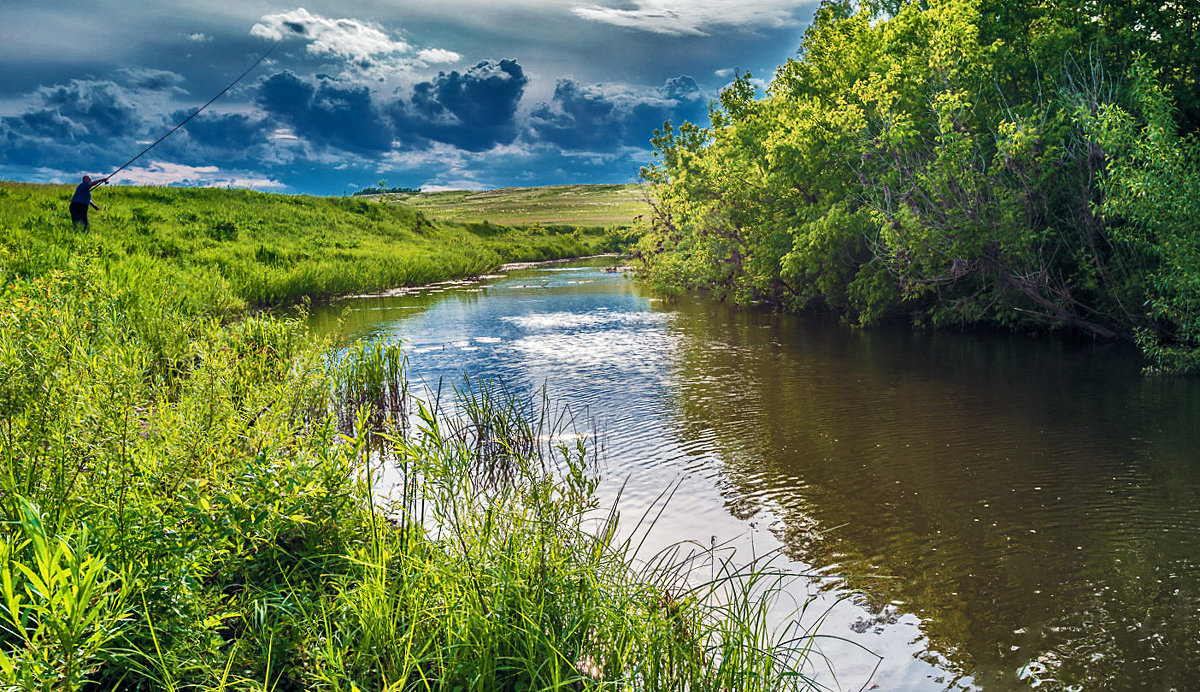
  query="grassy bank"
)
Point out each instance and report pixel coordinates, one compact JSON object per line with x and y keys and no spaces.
{"x":257,"y":249}
{"x":184,"y":488}
{"x":593,"y":206}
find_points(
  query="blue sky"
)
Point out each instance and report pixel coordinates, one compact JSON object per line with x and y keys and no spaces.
{"x":438,"y":94}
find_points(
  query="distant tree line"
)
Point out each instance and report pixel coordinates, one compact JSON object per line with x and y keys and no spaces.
{"x":1010,"y":162}
{"x":380,"y":190}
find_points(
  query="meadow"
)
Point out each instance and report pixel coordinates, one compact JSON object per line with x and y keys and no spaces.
{"x":188,"y":483}
{"x":553,"y":205}
{"x":258,"y":250}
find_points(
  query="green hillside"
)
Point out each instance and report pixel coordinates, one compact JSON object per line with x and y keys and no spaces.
{"x":258,"y":249}
{"x":574,"y":205}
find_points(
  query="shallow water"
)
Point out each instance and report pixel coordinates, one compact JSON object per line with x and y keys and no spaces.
{"x":1029,"y":507}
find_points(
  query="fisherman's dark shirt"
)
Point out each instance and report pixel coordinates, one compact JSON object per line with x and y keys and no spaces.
{"x":83,"y":194}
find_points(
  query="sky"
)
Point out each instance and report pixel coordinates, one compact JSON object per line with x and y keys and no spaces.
{"x":435,"y":94}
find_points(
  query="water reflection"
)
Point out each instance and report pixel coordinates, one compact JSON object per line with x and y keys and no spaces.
{"x":1036,"y":499}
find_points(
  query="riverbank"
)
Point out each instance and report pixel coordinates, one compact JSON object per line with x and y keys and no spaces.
{"x":183,"y":483}
{"x":250,"y":249}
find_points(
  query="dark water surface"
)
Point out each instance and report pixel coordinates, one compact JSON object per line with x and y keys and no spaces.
{"x":1037,"y":502}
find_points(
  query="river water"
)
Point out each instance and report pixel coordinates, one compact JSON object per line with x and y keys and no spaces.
{"x":1027,"y":509}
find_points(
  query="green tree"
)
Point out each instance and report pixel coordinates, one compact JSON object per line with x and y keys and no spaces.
{"x":953,"y":160}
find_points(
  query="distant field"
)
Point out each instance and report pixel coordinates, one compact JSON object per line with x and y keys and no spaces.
{"x":574,"y":205}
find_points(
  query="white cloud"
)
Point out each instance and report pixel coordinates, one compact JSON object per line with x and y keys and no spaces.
{"x":199,"y":37}
{"x":283,"y":134}
{"x":367,"y":49}
{"x":351,"y":39}
{"x":693,"y":17}
{"x":166,"y":173}
{"x":439,"y":56}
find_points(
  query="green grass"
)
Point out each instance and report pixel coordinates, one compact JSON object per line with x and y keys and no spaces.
{"x":555,"y":205}
{"x":262,"y":249}
{"x":188,"y":490}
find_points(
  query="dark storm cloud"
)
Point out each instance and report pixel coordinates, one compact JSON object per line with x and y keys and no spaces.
{"x":70,"y":125}
{"x":45,"y":123}
{"x":593,"y":117}
{"x":233,"y":131}
{"x":98,"y":108}
{"x":473,"y":110}
{"x":95,"y":125}
{"x":20,"y":147}
{"x":327,"y":113}
{"x":149,"y":79}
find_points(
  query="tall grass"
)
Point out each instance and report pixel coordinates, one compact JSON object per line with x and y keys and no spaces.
{"x":501,"y":571}
{"x":371,"y":388}
{"x":189,"y":500}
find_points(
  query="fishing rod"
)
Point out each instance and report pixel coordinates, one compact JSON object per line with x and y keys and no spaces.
{"x":197,"y":111}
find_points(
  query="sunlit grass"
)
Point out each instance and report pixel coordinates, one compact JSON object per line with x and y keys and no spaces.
{"x":258,"y":249}
{"x":555,"y":205}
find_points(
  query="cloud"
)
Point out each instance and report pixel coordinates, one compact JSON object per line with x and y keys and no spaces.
{"x":99,"y":108}
{"x":21,"y":147}
{"x":45,"y":122}
{"x":473,"y":110}
{"x":69,"y":126}
{"x":327,"y":113}
{"x":438,"y":56}
{"x":361,"y":43}
{"x":199,"y":37}
{"x":692,"y":17}
{"x":681,"y":88}
{"x":233,"y":131}
{"x":167,"y":173}
{"x":149,"y":79}
{"x":595,"y":117}
{"x":508,"y":166}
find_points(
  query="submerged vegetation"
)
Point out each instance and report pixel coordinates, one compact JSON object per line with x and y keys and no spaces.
{"x":192,"y":496}
{"x":1022,"y":164}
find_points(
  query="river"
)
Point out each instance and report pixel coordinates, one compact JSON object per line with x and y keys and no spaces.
{"x":1026,"y":509}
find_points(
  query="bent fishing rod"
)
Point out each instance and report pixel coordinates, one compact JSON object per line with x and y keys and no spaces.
{"x":196,"y":112}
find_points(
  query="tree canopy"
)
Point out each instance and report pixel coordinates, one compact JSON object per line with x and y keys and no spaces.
{"x":954,"y":161}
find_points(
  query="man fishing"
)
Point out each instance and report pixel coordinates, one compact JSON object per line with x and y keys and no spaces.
{"x":83,"y":192}
{"x":83,"y":199}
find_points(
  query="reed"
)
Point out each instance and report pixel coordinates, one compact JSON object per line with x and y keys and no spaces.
{"x":369,"y":382}
{"x":511,"y":576}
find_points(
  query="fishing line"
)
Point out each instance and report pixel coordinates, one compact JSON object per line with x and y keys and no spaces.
{"x":197,"y":112}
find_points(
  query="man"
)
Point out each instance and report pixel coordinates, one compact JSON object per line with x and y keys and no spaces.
{"x":83,"y":199}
